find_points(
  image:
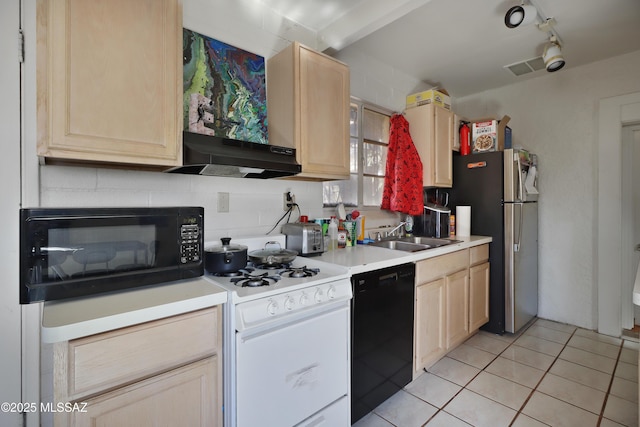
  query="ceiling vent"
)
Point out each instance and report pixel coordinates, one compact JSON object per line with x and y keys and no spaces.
{"x":526,"y":66}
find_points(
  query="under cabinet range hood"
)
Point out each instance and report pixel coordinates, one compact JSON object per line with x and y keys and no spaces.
{"x":215,"y":156}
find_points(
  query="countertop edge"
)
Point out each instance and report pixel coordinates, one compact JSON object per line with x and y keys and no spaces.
{"x":71,"y":319}
{"x":364,"y":258}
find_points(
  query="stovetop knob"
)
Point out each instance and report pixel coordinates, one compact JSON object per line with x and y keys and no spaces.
{"x":272,"y":308}
{"x":319,"y":295}
{"x":289,"y":303}
{"x":331,"y":293}
{"x":304,"y":299}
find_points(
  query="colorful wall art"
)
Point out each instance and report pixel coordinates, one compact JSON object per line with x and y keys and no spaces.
{"x":224,"y":90}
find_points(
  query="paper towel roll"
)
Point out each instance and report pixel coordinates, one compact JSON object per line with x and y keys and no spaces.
{"x":463,"y":220}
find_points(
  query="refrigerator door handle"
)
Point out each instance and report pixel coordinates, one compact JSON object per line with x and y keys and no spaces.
{"x":516,"y":159}
{"x":518,"y":241}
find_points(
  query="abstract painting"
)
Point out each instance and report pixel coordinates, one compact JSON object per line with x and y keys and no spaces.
{"x":224,"y":90}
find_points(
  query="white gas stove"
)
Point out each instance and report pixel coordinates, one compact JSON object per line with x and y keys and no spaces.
{"x":287,"y":342}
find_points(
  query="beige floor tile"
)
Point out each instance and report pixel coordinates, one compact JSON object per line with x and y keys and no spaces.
{"x":548,"y":334}
{"x":557,"y":413}
{"x":588,"y":359}
{"x":454,"y":371}
{"x":472,"y":356}
{"x":629,"y":355}
{"x":625,"y":389}
{"x":372,"y":420}
{"x":443,"y":419}
{"x":500,"y":390}
{"x":599,"y":337}
{"x":487,"y":343}
{"x":479,"y":411}
{"x":563,"y":327}
{"x":506,"y":337}
{"x":581,"y":374}
{"x":631,"y":345}
{"x":516,"y":372}
{"x":595,"y":346}
{"x":571,"y":392}
{"x":540,"y":345}
{"x":404,"y":409}
{"x":627,"y":371}
{"x":528,"y":357}
{"x":621,"y":411}
{"x":526,"y":421}
{"x":608,"y":423}
{"x":433,"y":389}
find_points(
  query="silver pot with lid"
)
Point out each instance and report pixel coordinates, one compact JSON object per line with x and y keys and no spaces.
{"x":226,"y":258}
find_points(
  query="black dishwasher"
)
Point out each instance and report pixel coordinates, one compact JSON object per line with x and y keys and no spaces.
{"x":382,"y":336}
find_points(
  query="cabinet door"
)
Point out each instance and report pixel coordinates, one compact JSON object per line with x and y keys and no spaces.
{"x":430,"y":313}
{"x":457,"y":311}
{"x":183,"y":397}
{"x":110,"y":81}
{"x":431,"y":130}
{"x":478,"y":296}
{"x":324,"y":116}
{"x":443,"y":147}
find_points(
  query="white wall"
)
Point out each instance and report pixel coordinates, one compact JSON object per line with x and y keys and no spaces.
{"x":10,"y":313}
{"x":556,"y":117}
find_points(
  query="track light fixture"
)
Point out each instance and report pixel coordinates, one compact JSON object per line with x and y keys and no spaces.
{"x":520,"y":15}
{"x":552,"y":56}
{"x":528,"y":13}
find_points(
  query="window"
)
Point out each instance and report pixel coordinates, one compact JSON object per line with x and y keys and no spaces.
{"x":369,"y":131}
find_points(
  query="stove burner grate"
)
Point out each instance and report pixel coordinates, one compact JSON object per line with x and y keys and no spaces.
{"x":254,"y":280}
{"x":298,"y":272}
{"x":237,"y":273}
{"x":272,"y":266}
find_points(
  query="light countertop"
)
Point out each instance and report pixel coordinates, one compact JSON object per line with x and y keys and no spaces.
{"x":363,"y":258}
{"x":78,"y":317}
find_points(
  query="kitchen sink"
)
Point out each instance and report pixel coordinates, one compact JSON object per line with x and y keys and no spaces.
{"x":431,"y":241}
{"x":400,"y":245}
{"x":412,"y":244}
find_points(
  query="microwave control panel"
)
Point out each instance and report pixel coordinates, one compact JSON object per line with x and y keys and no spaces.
{"x":190,"y":244}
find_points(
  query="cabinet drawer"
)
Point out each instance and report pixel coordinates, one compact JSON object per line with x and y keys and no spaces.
{"x":104,"y":361}
{"x":479,"y":254}
{"x":440,"y":266}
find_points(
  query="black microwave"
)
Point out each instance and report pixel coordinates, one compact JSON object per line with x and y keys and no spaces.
{"x":67,"y":253}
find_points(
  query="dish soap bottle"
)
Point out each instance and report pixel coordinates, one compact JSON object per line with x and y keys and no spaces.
{"x":333,"y":233}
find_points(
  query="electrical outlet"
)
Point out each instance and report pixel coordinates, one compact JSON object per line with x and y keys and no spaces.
{"x":223,"y":202}
{"x":288,"y":200}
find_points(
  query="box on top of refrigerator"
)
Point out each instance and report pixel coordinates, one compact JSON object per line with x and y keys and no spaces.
{"x":490,"y":135}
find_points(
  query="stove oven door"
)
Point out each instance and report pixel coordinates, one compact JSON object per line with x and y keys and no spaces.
{"x":294,"y":371}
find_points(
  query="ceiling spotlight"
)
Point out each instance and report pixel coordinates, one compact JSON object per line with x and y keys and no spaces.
{"x":552,"y":56}
{"x":518,"y":15}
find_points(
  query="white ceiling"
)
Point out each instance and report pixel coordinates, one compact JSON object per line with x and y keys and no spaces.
{"x":463,"y":45}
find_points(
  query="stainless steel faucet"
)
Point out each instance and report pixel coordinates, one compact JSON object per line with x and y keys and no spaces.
{"x":394,"y":229}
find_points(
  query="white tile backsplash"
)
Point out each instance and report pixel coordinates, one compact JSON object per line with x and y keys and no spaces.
{"x":255,"y":205}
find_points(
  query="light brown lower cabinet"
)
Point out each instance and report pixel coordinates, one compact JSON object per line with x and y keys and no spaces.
{"x":181,"y":397}
{"x":452,"y":302}
{"x":164,"y":372}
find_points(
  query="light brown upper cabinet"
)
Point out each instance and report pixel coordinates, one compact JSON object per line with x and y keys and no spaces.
{"x":308,"y":109}
{"x":109,"y":81}
{"x":431,"y":128}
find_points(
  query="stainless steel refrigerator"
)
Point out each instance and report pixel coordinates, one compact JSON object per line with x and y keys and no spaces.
{"x":500,"y":187}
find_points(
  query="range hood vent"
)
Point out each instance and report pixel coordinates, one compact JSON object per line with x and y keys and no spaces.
{"x":215,"y":156}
